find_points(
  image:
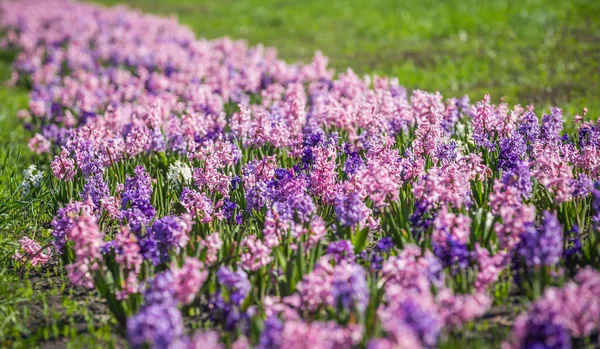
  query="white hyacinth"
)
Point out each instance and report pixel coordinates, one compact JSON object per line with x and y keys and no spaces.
{"x":179,"y":172}
{"x":32,"y":178}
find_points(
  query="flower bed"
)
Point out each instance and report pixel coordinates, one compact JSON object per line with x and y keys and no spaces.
{"x":216,"y":195}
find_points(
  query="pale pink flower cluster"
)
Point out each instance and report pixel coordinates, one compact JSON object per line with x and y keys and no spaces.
{"x":490,"y":267}
{"x":31,"y":251}
{"x":188,"y":280}
{"x":255,"y":254}
{"x":39,"y":144}
{"x":197,"y":204}
{"x":87,"y":241}
{"x":129,"y":258}
{"x":327,"y":335}
{"x":63,"y":167}
{"x":450,"y":225}
{"x":213,"y":244}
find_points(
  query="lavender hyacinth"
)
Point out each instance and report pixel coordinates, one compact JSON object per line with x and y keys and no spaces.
{"x":529,"y":127}
{"x":552,"y":125}
{"x":341,"y":250}
{"x":542,"y":246}
{"x":169,"y":232}
{"x":160,"y":289}
{"x":95,"y":188}
{"x":135,"y":200}
{"x":349,"y":287}
{"x":350,"y":210}
{"x":158,"y":325}
{"x":270,"y":337}
{"x":236,"y":282}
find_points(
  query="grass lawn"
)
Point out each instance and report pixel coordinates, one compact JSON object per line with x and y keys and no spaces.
{"x":545,"y":52}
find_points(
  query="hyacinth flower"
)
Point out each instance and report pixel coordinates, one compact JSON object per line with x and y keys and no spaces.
{"x":538,"y":252}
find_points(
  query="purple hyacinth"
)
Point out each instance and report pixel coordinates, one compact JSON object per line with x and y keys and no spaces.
{"x":552,"y":125}
{"x":425,"y":325}
{"x":353,"y":163}
{"x":349,"y":287}
{"x":519,"y":176}
{"x":529,"y":127}
{"x":542,"y":246}
{"x":385,"y":244}
{"x":270,"y":337}
{"x":581,"y":186}
{"x":589,"y":134}
{"x":136,"y":199}
{"x":454,"y":256}
{"x":511,"y":150}
{"x":95,"y":188}
{"x":541,"y":330}
{"x":168,"y":232}
{"x":158,"y":325}
{"x":236,"y":282}
{"x":228,"y":314}
{"x":159,"y":289}
{"x":150,"y":250}
{"x":574,"y":246}
{"x":228,"y":209}
{"x":447,"y":153}
{"x":350,"y":210}
{"x":341,"y":250}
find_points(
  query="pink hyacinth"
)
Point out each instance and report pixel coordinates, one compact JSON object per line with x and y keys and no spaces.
{"x":450,"y":225}
{"x":490,"y":267}
{"x":255,"y":254}
{"x":315,"y":288}
{"x":87,"y":241}
{"x":327,"y":335}
{"x":197,"y":204}
{"x":459,"y":309}
{"x":514,"y":223}
{"x":63,"y":167}
{"x":213,"y":244}
{"x":324,"y":176}
{"x":30,"y":250}
{"x":188,"y":280}
{"x":39,"y":144}
{"x":130,"y":259}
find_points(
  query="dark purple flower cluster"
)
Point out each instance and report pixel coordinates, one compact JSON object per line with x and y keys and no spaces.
{"x":529,"y":127}
{"x":447,"y":152}
{"x":552,"y":125}
{"x":136,"y":198}
{"x":454,"y":255}
{"x":512,"y":150}
{"x":541,"y":331}
{"x":270,"y":337}
{"x":169,"y":232}
{"x":542,"y":246}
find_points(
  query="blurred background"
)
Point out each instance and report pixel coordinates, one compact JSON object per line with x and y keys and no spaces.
{"x":545,"y":52}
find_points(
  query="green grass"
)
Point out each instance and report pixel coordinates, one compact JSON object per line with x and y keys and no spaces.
{"x":545,"y":52}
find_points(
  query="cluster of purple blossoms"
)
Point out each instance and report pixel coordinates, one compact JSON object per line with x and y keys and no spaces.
{"x":136,"y":198}
{"x":542,"y":246}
